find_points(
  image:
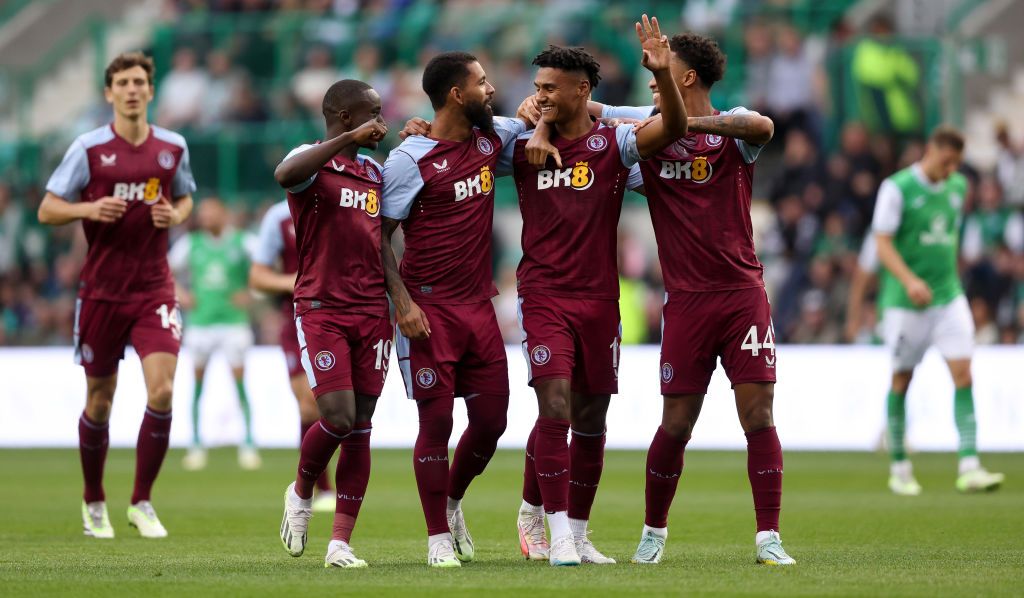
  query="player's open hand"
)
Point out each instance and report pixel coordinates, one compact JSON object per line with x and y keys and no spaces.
{"x":413,"y":323}
{"x":529,"y":110}
{"x":107,"y":209}
{"x":162,"y":213}
{"x":919,"y":292}
{"x":538,"y":149}
{"x":371,"y":131}
{"x":656,"y":52}
{"x":643,"y":123}
{"x":415,"y":126}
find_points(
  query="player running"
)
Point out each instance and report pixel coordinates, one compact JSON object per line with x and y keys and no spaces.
{"x":917,"y":233}
{"x":698,"y":191}
{"x":214,"y":262}
{"x":441,"y":189}
{"x":341,"y":310}
{"x":117,"y":180}
{"x":275,"y":261}
{"x":568,"y":287}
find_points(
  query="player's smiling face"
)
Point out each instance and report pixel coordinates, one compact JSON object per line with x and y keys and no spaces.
{"x":682,"y":74}
{"x":130,"y":92}
{"x":366,"y":110}
{"x":560,"y":94}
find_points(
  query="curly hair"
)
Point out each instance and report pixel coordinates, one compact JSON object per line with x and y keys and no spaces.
{"x":570,"y":59}
{"x":701,"y":54}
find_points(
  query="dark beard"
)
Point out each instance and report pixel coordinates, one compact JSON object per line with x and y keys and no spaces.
{"x":480,"y":116}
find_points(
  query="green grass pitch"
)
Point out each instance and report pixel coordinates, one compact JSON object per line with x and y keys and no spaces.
{"x":849,"y":535}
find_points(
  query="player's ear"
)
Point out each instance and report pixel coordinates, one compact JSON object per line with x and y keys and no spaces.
{"x":108,"y":94}
{"x":456,"y":94}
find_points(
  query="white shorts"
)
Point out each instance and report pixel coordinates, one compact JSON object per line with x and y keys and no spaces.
{"x":908,"y":333}
{"x":233,"y":340}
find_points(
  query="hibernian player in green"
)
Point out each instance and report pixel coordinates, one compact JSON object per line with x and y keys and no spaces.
{"x":917,"y":230}
{"x":214,"y":262}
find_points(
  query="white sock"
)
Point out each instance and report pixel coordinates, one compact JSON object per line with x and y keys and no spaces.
{"x":969,"y":464}
{"x":454,"y":505}
{"x":578,"y":527}
{"x":297,"y":500}
{"x":558,"y":522}
{"x":532,"y":509}
{"x":902,"y":469}
{"x":762,"y":536}
{"x":336,"y":544}
{"x":661,"y":532}
{"x":431,"y":540}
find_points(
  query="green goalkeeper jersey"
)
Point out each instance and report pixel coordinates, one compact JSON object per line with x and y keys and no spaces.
{"x":218,"y":270}
{"x":924,"y":221}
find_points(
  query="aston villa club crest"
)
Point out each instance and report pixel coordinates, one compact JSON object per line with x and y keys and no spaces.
{"x":540,"y":355}
{"x":165,"y":159}
{"x":596,"y":143}
{"x":485,"y":146}
{"x":713,"y":140}
{"x":426,"y":378}
{"x":667,"y":373}
{"x":372,"y":173}
{"x":324,"y":360}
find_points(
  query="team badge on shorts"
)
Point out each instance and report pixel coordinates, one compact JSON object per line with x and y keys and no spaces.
{"x":596,"y":143}
{"x":540,"y":355}
{"x":426,"y":378}
{"x":485,"y":146}
{"x":165,"y":159}
{"x":324,"y":360}
{"x":713,"y":140}
{"x":667,"y":372}
{"x":87,"y":354}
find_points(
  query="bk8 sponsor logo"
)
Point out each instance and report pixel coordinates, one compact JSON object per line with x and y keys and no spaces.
{"x":480,"y":184}
{"x":361,"y":200}
{"x":148,"y":192}
{"x":579,"y":178}
{"x":698,"y":170}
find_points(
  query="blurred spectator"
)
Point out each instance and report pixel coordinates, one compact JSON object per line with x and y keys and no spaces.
{"x":223,"y":86}
{"x":791,"y":100}
{"x":888,"y":80}
{"x":1010,"y":166}
{"x":181,"y":94}
{"x":10,"y":231}
{"x":311,"y":83}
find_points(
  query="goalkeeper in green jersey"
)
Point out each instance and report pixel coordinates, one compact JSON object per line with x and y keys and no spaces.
{"x":214,"y":264}
{"x":917,"y":229}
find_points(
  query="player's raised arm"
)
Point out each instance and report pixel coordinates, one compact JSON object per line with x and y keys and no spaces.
{"x":301,"y":166}
{"x":657,"y":57}
{"x":748,"y":125}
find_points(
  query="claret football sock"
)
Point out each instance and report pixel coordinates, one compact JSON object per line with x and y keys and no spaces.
{"x":531,"y":489}
{"x":352,"y":475}
{"x":487,"y":418}
{"x":430,"y":461}
{"x":93,"y":441}
{"x":664,"y":466}
{"x":318,"y":446}
{"x":322,"y":483}
{"x":586,"y":462}
{"x":764,"y":468}
{"x":552,"y":463}
{"x":154,"y":436}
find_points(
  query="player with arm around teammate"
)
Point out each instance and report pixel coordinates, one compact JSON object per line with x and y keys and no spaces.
{"x":128,"y":182}
{"x":568,"y":287}
{"x":341,"y":309}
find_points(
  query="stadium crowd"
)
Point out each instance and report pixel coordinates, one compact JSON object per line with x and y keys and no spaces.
{"x":813,"y":199}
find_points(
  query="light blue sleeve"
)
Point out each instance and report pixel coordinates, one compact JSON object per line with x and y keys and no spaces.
{"x":635,"y":179}
{"x":748,"y":150}
{"x":183,"y":183}
{"x":304,"y":184}
{"x":637,"y":112}
{"x":72,"y":175}
{"x":508,"y":129}
{"x":269,"y":241}
{"x":628,"y":151}
{"x":506,"y":163}
{"x":402,"y":183}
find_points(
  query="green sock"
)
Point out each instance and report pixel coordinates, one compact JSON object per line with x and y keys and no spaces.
{"x":897,"y":409}
{"x":243,"y":400}
{"x":197,"y":392}
{"x":963,"y":413}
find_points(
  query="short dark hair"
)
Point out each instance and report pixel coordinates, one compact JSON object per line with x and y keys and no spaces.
{"x":570,"y":59}
{"x":341,"y":94}
{"x":947,"y":136}
{"x":443,"y":72}
{"x":701,"y":54}
{"x":125,"y":61}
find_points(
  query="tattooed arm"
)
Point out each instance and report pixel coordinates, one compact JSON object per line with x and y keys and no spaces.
{"x":411,"y":319}
{"x":749,"y":126}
